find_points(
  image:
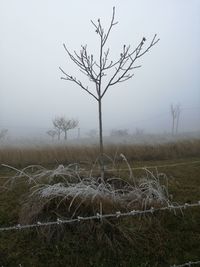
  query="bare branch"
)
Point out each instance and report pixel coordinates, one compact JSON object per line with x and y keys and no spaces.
{"x":100,"y":31}
{"x":153,"y":42}
{"x":73,"y":79}
{"x":111,"y":25}
{"x":77,"y":62}
{"x":85,"y":62}
{"x":128,"y":58}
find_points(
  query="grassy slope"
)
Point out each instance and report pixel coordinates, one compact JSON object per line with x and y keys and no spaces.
{"x":156,"y":240}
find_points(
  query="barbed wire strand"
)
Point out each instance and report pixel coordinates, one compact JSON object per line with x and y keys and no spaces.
{"x":190,"y":263}
{"x":99,"y":216}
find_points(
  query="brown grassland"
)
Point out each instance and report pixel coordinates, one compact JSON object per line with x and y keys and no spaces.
{"x":64,"y":154}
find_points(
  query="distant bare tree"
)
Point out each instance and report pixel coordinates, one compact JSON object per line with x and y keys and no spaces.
{"x":3,"y":133}
{"x":57,"y":123}
{"x":68,"y":124}
{"x":178,"y":111}
{"x":61,"y":124}
{"x":105,"y":73}
{"x":175,"y":112}
{"x":52,"y":133}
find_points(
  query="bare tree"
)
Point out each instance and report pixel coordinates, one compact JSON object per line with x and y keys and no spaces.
{"x":52,"y":133}
{"x":57,"y":123}
{"x":105,"y":73}
{"x":68,"y":124}
{"x":178,"y":111}
{"x":3,"y":133}
{"x":175,"y":112}
{"x":61,"y":124}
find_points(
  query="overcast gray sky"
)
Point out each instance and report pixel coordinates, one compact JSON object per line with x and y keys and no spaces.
{"x":32,"y":33}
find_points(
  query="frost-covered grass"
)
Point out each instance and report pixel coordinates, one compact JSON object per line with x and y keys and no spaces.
{"x":69,"y":191}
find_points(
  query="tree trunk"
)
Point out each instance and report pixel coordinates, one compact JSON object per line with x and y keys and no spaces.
{"x":173,"y":124}
{"x":101,"y":149}
{"x":65,"y":135}
{"x":177,"y":122}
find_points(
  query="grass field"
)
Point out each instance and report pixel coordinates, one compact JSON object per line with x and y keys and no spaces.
{"x":159,"y":239}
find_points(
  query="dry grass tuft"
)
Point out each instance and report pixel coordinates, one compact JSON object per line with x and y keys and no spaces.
{"x":67,"y":192}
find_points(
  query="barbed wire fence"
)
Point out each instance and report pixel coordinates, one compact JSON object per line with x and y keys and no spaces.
{"x":100,"y":216}
{"x":190,"y":263}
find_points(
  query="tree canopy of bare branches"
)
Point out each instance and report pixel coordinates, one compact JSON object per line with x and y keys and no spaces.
{"x":62,"y":124}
